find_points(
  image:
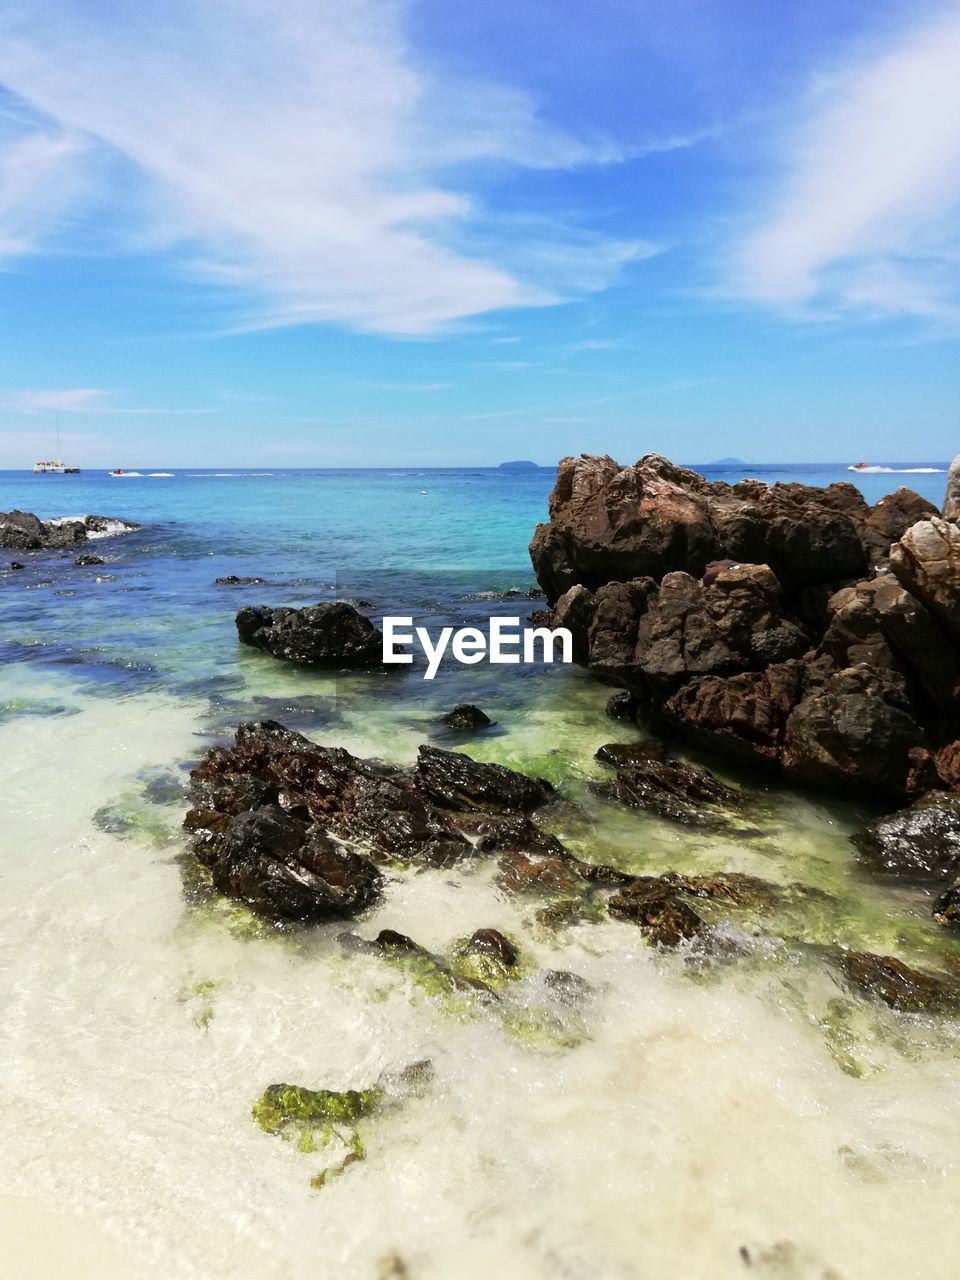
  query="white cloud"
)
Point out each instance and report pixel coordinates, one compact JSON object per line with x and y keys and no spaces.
{"x":38,"y":179}
{"x":868,"y":213}
{"x":290,"y":151}
{"x":67,"y":400}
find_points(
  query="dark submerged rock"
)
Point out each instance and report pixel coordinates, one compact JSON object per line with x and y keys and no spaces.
{"x":623,"y":706}
{"x":231,"y":580}
{"x":333,"y":634}
{"x":88,"y":561}
{"x":897,"y":985}
{"x":465,"y":716}
{"x":659,"y":910}
{"x":683,"y":793}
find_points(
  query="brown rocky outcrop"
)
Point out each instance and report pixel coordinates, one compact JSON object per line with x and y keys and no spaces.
{"x":793,"y":626}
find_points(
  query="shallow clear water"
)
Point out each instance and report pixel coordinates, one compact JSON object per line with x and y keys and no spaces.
{"x":693,"y":1105}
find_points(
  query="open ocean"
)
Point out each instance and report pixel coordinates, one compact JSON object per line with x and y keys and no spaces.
{"x":696,"y":1105}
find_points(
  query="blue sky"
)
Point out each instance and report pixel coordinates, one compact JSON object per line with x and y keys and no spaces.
{"x":362,"y":232}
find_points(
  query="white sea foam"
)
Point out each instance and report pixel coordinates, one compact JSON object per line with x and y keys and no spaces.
{"x":111,"y":528}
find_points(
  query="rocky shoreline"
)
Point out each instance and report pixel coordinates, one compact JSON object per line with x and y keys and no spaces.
{"x":23,"y":531}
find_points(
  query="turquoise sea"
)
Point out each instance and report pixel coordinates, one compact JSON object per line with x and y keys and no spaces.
{"x":411,"y":541}
{"x":692,"y":1113}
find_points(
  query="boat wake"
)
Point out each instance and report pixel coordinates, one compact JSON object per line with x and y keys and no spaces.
{"x":898,"y":471}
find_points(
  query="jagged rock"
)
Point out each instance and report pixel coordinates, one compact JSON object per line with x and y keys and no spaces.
{"x":623,"y":706}
{"x":231,"y":580}
{"x":455,"y":781}
{"x":287,"y":825}
{"x":285,"y":870}
{"x":332,"y":634}
{"x":23,"y":531}
{"x":734,"y":624}
{"x":611,"y":523}
{"x":951,"y":504}
{"x":684,"y":793}
{"x":659,"y":910}
{"x":921,"y":843}
{"x":466,"y":717}
{"x":854,"y":731}
{"x":897,"y":985}
{"x":574,"y":610}
{"x":881,"y":624}
{"x":926,"y":561}
{"x":889,"y":519}
{"x":520,"y":874}
{"x":514,"y":835}
{"x":740,"y":616}
{"x":742,"y":716}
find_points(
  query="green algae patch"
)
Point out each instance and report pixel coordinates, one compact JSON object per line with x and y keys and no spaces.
{"x":328,"y":1121}
{"x":283,"y":1107}
{"x":128,"y":816}
{"x":199,"y":996}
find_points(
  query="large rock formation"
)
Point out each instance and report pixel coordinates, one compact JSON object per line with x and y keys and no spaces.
{"x":611,"y":523}
{"x":23,"y":531}
{"x":788,"y":625}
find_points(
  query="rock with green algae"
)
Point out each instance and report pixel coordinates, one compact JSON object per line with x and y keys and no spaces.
{"x":321,"y":1119}
{"x":434,"y":975}
{"x":487,"y":974}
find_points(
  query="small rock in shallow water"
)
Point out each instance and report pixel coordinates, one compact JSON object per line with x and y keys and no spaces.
{"x":231,"y":580}
{"x":623,"y":706}
{"x":465,"y":716}
{"x":491,"y":942}
{"x":15,"y":564}
{"x":659,"y":910}
{"x":683,"y":793}
{"x":946,"y":909}
{"x":83,"y":562}
{"x":897,"y":985}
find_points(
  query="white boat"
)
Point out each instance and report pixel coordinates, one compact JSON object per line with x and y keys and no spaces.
{"x":54,"y":467}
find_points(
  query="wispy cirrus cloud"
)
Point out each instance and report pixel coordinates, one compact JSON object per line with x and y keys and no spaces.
{"x":295,"y":154}
{"x":868,"y":215}
{"x":63,"y":400}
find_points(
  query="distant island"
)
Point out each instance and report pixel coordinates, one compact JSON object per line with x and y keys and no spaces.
{"x":728,"y":462}
{"x":518,"y":466}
